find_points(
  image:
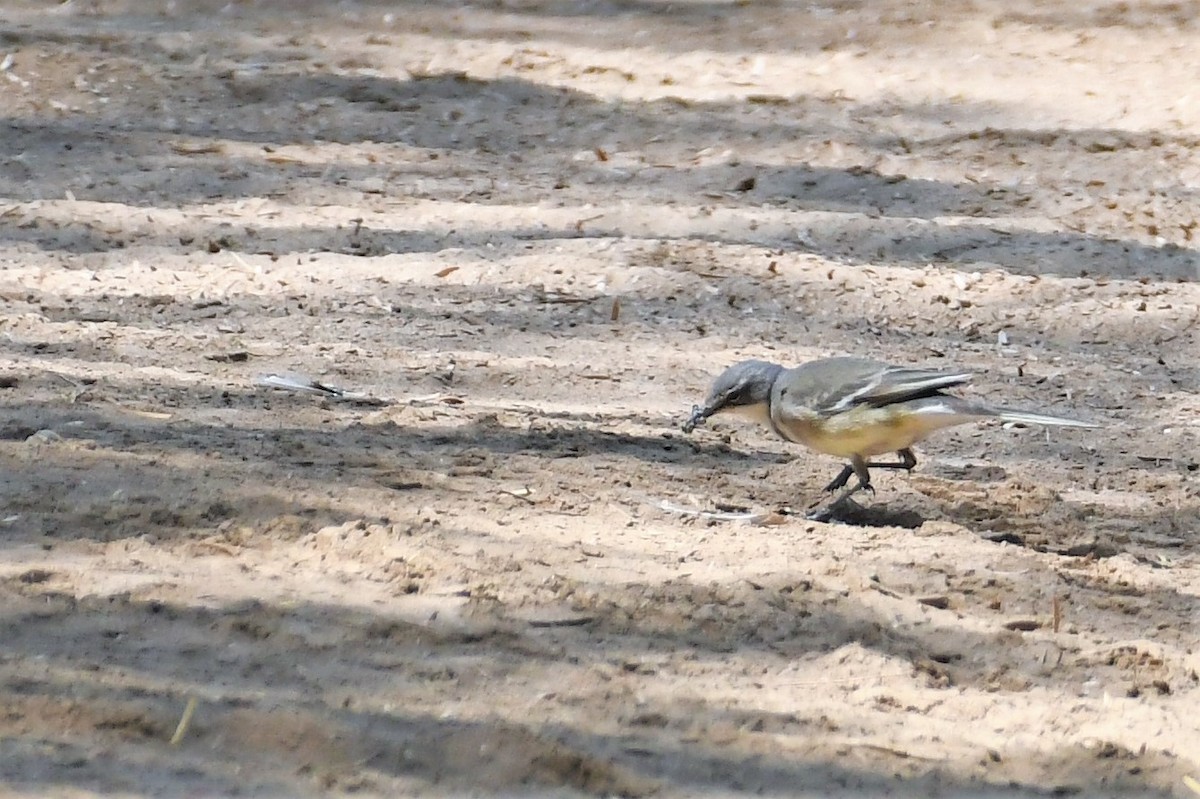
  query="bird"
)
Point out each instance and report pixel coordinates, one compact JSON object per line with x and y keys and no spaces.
{"x":852,"y":408}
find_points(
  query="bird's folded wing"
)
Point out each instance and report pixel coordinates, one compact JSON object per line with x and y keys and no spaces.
{"x":885,"y":385}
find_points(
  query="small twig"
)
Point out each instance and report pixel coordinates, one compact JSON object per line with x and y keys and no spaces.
{"x":79,"y":391}
{"x":564,"y":299}
{"x":197,"y":148}
{"x":241,"y":261}
{"x":580,"y":223}
{"x":156,"y":415}
{"x":575,"y":621}
{"x":523,"y":493}
{"x":220,"y":546}
{"x":307,"y":385}
{"x":298,"y":383}
{"x":857,"y":678}
{"x":425,"y":399}
{"x":889,"y":750}
{"x":720,"y":516}
{"x":66,"y":379}
{"x":184,"y":721}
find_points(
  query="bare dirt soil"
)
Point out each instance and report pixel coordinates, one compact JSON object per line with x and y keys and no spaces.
{"x":534,"y":230}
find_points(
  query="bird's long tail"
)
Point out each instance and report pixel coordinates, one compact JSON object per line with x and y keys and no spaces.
{"x":944,"y":411}
{"x":1026,"y":417}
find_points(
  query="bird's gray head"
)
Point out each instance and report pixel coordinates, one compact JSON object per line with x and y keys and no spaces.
{"x":745,"y":386}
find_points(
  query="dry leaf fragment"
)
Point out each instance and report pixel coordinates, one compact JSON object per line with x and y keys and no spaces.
{"x":197,"y":148}
{"x":184,"y":721}
{"x":1023,"y":625}
{"x":447,"y":271}
{"x":157,"y":415}
{"x":234,"y":356}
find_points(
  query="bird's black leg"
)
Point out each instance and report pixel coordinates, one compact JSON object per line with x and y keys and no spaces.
{"x":907,"y":461}
{"x":858,"y":467}
{"x":840,"y":481}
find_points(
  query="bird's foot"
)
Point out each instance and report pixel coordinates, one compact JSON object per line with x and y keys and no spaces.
{"x":830,"y":510}
{"x":840,"y":481}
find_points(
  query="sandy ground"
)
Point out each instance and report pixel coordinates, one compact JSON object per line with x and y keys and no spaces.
{"x":534,"y":230}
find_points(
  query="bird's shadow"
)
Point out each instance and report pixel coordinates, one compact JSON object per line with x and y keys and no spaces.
{"x":874,"y":515}
{"x":887,"y":514}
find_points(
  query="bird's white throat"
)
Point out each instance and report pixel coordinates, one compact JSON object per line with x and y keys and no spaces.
{"x":760,"y":413}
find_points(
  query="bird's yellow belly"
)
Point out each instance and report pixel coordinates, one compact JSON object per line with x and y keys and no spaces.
{"x":864,"y":432}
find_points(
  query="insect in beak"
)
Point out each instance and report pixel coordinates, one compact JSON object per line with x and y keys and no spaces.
{"x":695,"y":420}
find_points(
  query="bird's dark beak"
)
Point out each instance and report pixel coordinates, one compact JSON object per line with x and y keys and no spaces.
{"x":699,"y":415}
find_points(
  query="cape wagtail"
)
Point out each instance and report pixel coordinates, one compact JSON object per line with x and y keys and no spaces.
{"x":852,"y":408}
